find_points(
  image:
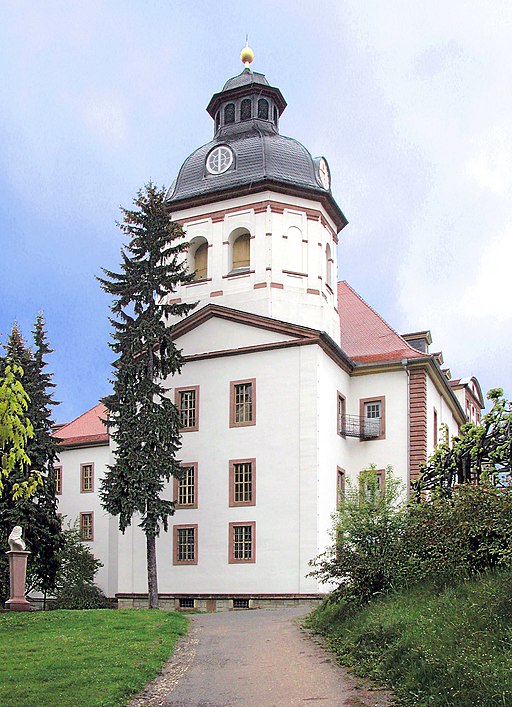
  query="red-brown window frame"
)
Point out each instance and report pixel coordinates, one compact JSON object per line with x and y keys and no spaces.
{"x":177,"y":484}
{"x":339,"y":422}
{"x":232,"y":385}
{"x":58,"y":480}
{"x":185,"y":526}
{"x":82,"y":490}
{"x":377,"y":399}
{"x":184,"y":389}
{"x":82,"y":514}
{"x":232,"y":502}
{"x":231,"y":542}
{"x":340,"y":487}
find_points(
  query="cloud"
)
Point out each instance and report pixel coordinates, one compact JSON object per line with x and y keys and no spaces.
{"x":106,"y":119}
{"x":491,"y":166}
{"x":488,"y":294}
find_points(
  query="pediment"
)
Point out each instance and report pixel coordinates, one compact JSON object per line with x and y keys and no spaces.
{"x":215,"y":329}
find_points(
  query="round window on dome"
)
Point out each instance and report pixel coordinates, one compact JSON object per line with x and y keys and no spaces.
{"x":219,"y":160}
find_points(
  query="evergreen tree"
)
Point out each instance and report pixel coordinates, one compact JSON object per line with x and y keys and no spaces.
{"x":36,"y":514}
{"x":144,"y":422}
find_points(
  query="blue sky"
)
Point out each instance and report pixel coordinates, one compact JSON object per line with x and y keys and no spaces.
{"x":410,"y":102}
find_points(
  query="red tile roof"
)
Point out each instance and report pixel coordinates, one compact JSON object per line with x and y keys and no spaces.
{"x":365,"y":336}
{"x":86,"y":429}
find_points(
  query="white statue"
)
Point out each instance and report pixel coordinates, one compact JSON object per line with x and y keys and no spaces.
{"x":16,"y":542}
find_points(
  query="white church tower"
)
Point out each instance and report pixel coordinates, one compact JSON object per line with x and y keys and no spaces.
{"x":259,"y":213}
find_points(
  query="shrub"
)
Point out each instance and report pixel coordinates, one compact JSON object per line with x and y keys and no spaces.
{"x":81,"y":596}
{"x":364,"y":559}
{"x":448,"y":539}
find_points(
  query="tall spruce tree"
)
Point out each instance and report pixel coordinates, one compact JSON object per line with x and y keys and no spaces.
{"x":37,"y":514}
{"x":144,"y":422}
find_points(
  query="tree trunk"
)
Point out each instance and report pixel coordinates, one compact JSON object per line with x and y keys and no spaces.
{"x":152,"y":573}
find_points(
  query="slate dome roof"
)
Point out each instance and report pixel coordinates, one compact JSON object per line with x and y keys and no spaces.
{"x":261,"y":157}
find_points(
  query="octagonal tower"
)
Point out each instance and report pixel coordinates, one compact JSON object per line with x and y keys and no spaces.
{"x":259,"y":213}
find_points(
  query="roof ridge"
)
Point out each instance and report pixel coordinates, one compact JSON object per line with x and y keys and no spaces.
{"x":406,"y":343}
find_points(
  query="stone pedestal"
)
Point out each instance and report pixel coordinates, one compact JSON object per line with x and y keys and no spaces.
{"x":17,"y":574}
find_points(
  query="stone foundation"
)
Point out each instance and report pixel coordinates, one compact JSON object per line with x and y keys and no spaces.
{"x":219,"y":602}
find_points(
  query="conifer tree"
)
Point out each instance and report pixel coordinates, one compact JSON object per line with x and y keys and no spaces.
{"x":37,"y":514}
{"x":144,"y":422}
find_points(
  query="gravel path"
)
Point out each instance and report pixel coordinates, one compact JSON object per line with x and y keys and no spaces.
{"x":258,"y":658}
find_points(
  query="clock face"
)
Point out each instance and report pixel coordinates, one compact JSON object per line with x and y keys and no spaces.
{"x":219,"y":160}
{"x":324,"y":174}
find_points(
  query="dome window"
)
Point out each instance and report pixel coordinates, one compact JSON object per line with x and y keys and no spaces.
{"x":217,"y":120}
{"x":219,"y":159}
{"x":246,"y":109}
{"x":229,"y":114}
{"x":263,"y":109}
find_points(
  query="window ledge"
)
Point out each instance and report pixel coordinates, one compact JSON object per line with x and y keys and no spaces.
{"x":239,"y":272}
{"x":198,"y":282}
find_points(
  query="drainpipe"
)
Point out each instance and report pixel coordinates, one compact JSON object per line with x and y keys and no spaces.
{"x":408,"y":373}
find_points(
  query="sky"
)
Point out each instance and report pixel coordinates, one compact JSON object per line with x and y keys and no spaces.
{"x":410,"y":102}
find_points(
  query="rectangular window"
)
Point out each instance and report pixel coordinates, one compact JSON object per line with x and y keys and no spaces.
{"x":58,"y":480}
{"x":185,"y":545}
{"x":242,"y":406}
{"x":340,"y":485}
{"x":242,"y":542}
{"x":86,"y":478}
{"x":187,"y":402}
{"x":435,"y":428}
{"x":242,"y":482}
{"x":87,"y":525}
{"x":185,"y":488}
{"x":341,"y":415}
{"x":372,"y":415}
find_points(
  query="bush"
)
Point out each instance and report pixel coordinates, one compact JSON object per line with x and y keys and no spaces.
{"x":364,"y":559}
{"x":380,"y":545}
{"x":446,"y":539}
{"x":75,"y":580}
{"x":81,"y":596}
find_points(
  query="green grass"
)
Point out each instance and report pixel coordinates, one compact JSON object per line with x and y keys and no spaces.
{"x":451,"y":647}
{"x":95,"y":657}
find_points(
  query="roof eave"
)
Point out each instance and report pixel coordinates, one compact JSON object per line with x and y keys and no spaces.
{"x":325,"y":198}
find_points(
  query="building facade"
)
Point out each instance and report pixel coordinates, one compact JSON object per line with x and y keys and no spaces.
{"x":292,"y":383}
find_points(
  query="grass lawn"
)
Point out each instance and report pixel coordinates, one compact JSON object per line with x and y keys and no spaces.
{"x":95,"y":657}
{"x":451,"y":647}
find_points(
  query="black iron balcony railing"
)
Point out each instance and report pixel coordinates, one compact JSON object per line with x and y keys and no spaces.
{"x":361,"y":427}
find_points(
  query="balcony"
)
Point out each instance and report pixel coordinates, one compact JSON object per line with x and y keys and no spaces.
{"x":361,"y":427}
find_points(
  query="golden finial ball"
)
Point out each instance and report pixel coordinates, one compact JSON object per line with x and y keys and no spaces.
{"x":246,"y":55}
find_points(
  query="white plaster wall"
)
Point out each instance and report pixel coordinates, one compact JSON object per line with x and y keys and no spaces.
{"x":393,"y":449}
{"x":444,"y":416}
{"x":334,"y":450}
{"x":285,"y":510}
{"x":72,"y":502}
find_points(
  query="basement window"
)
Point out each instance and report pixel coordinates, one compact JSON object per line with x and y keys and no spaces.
{"x":240,"y":603}
{"x":187,"y":603}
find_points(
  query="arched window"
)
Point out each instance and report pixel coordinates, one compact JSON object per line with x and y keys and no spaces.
{"x":294,"y":250}
{"x":242,"y":251}
{"x":246,"y":109}
{"x":201,"y":261}
{"x":229,"y":113}
{"x":328,"y":265}
{"x":275,"y":116}
{"x":263,"y":109}
{"x":198,"y":258}
{"x":217,"y":120}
